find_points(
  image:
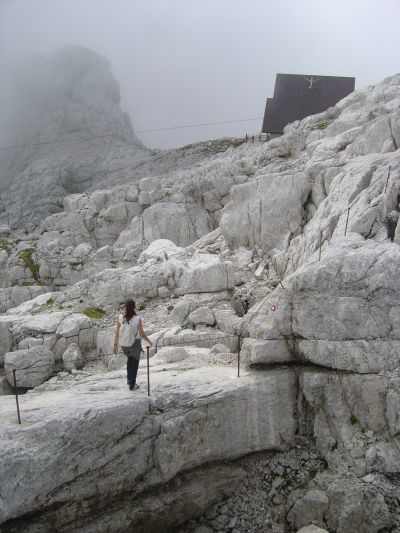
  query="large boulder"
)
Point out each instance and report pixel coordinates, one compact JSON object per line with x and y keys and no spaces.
{"x":160,"y":249}
{"x":265,"y":352}
{"x":266,"y":211}
{"x":73,"y":324}
{"x":341,"y":503}
{"x":206,"y":273}
{"x":117,"y":361}
{"x":179,"y":223}
{"x":5,"y":340}
{"x":202,"y":315}
{"x":72,"y":358}
{"x":33,"y":366}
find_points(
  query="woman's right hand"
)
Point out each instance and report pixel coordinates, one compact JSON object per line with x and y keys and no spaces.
{"x":115,"y":347}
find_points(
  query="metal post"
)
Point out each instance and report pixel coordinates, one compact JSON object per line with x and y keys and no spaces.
{"x":239,"y":356}
{"x":148,"y":370}
{"x":320,"y":242}
{"x":16,"y":396}
{"x":387,"y":180}
{"x":347,"y":220}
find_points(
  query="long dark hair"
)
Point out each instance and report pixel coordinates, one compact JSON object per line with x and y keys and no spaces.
{"x":130,"y":310}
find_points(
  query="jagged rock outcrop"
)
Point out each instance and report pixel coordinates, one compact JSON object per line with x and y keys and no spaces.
{"x":71,"y":129}
{"x":302,"y":262}
{"x":165,"y":436}
{"x":33,"y":366}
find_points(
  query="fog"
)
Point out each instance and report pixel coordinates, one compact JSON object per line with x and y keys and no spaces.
{"x":186,"y":62}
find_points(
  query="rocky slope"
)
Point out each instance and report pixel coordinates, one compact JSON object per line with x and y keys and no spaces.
{"x":292,"y":244}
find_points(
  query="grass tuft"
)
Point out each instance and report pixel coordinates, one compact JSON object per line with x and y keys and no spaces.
{"x":4,"y":245}
{"x":320,"y":126}
{"x":353,"y":419}
{"x":26,"y":257}
{"x":94,"y":312}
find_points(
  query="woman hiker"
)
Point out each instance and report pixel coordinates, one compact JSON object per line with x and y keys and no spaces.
{"x":128,"y":334}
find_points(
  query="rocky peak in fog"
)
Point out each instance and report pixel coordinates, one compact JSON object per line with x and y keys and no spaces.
{"x":72,"y":93}
{"x":67,"y":109}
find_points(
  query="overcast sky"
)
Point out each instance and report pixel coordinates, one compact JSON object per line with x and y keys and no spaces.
{"x":185,"y":62}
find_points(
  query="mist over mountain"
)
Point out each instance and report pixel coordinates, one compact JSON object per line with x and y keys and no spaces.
{"x":61,"y":118}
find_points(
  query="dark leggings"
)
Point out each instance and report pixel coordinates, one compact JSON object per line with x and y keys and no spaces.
{"x":133,"y":357}
{"x":132,"y":366}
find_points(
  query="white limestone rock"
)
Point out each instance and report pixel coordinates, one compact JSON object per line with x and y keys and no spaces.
{"x":105,"y":343}
{"x":312,"y":529}
{"x":72,"y":358}
{"x":72,"y":324}
{"x":4,"y":230}
{"x":14,"y":296}
{"x":5,"y":387}
{"x":117,"y":362}
{"x":81,"y":251}
{"x":361,"y":356}
{"x":180,"y":223}
{"x":99,"y":411}
{"x":265,"y":352}
{"x":348,"y":407}
{"x":41,"y":323}
{"x":6,"y":341}
{"x":180,"y":313}
{"x":271,"y":319}
{"x":228,"y":321}
{"x":171,"y":354}
{"x":384,"y":457}
{"x":160,"y":249}
{"x":270,"y":206}
{"x":45,"y":300}
{"x":202,"y":315}
{"x":202,"y":339}
{"x":219,"y":348}
{"x":33,"y":366}
{"x":29,"y":342}
{"x":342,"y":504}
{"x":206,"y":273}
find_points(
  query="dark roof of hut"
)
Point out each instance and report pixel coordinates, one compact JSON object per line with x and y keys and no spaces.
{"x":296,"y":97}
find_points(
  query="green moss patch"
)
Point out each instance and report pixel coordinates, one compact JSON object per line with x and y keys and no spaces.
{"x":4,"y":245}
{"x":26,"y":257}
{"x":77,"y":265}
{"x":94,"y":312}
{"x":320,"y":126}
{"x":353,"y":419}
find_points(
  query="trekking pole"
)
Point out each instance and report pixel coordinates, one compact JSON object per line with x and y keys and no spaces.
{"x":148,"y":370}
{"x":16,"y":396}
{"x":238,"y":356}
